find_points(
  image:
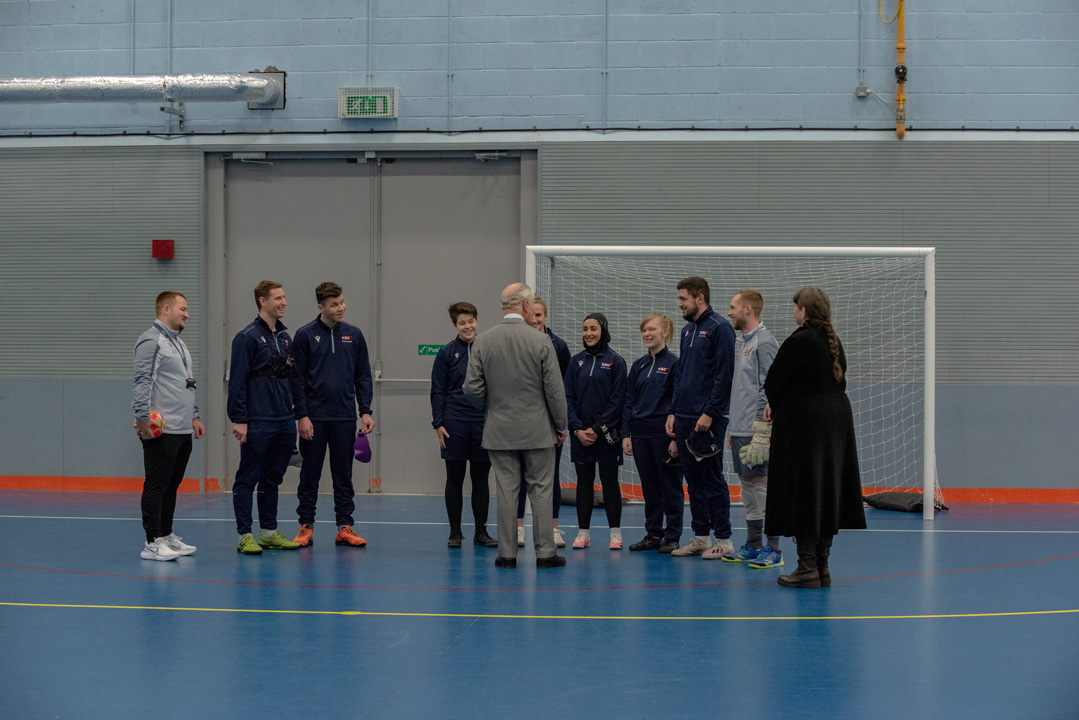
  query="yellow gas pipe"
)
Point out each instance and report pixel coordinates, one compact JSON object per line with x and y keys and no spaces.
{"x":900,"y":75}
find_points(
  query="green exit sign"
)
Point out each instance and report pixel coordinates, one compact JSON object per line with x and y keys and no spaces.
{"x":367,"y":102}
{"x":367,"y":105}
{"x":429,"y":349}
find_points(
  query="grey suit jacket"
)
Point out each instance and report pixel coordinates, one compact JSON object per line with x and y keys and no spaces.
{"x":513,"y":376}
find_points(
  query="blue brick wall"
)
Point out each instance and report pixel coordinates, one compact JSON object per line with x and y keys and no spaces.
{"x":463,"y":64}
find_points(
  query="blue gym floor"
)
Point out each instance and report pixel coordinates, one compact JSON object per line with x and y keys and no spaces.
{"x":975,"y":615}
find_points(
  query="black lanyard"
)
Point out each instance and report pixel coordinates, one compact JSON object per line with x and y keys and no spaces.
{"x":176,"y":346}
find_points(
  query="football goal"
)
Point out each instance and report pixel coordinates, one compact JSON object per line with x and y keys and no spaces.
{"x":882,"y":309}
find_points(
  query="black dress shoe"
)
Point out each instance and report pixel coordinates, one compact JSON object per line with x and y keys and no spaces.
{"x":505,"y":562}
{"x":667,"y":547}
{"x":455,"y":540}
{"x":482,"y":538}
{"x":650,"y":542}
{"x":550,"y":562}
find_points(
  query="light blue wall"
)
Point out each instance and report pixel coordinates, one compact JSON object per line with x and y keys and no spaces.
{"x":521,"y":63}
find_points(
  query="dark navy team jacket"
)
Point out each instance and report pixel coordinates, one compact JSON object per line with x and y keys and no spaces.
{"x":561,"y":351}
{"x":335,"y":371}
{"x":705,"y":368}
{"x":648,"y":395}
{"x":595,"y":390}
{"x":255,"y":393}
{"x":448,"y":401}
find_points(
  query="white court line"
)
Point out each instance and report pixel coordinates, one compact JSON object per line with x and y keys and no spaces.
{"x":624,"y":527}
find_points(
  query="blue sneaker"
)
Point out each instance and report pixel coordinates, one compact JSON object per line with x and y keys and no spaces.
{"x":767,"y":558}
{"x":742,"y":554}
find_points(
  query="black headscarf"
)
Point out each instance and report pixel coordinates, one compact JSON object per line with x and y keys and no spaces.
{"x":604,"y":334}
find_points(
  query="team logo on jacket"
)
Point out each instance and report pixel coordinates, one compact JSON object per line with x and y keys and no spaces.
{"x":606,"y":366}
{"x":662,"y":369}
{"x":456,"y":355}
{"x":702,"y":333}
{"x":346,"y":338}
{"x":580,"y":363}
{"x":318,"y":338}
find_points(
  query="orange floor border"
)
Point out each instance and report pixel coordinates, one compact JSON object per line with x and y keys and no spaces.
{"x":107,"y":484}
{"x":633,"y":492}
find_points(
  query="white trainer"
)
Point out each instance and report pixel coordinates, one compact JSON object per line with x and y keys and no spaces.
{"x":520,"y":536}
{"x":177,"y":544}
{"x":723,"y":546}
{"x":559,"y":538}
{"x":157,"y":550}
{"x":696,"y":546}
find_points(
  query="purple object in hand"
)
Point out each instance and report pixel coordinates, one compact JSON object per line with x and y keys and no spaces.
{"x":362,"y":448}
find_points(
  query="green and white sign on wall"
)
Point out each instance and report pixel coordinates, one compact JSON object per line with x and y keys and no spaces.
{"x":429,"y":349}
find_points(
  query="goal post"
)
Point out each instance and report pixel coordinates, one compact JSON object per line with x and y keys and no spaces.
{"x":883,"y":307}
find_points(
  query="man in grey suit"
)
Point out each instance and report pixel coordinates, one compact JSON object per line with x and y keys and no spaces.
{"x":513,"y":376}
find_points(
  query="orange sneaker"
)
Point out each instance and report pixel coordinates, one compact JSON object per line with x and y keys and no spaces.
{"x":306,"y":536}
{"x":345,"y":536}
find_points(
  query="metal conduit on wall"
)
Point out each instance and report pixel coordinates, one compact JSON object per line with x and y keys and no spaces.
{"x":265,"y":90}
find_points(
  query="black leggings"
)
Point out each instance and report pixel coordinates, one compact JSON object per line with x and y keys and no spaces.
{"x":481,"y":494}
{"x":612,"y":493}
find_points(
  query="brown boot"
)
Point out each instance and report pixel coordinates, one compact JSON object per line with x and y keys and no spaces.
{"x":806,"y":575}
{"x":824,"y":549}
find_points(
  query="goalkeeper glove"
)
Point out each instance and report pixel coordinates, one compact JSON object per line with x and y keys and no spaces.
{"x":756,"y":452}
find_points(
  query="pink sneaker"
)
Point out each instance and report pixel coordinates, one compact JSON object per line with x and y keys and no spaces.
{"x":580,"y":543}
{"x":718,"y":551}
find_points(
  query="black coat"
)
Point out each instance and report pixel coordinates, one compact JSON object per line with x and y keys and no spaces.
{"x":814,"y":487}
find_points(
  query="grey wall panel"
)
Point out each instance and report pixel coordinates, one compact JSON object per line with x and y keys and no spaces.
{"x":75,"y":242}
{"x":78,"y":427}
{"x":31,"y":426}
{"x":107,"y":446}
{"x":1003,"y":216}
{"x":1008,"y":436}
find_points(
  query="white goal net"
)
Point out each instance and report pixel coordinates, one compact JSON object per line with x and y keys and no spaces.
{"x":879,"y":310}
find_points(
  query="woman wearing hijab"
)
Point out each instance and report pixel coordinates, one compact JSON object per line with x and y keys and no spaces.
{"x":596,"y":396}
{"x":814,"y":487}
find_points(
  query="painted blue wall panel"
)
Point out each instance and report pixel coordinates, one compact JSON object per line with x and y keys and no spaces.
{"x":978,"y":64}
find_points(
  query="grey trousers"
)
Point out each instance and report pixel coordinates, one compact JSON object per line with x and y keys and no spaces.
{"x":538,"y":465}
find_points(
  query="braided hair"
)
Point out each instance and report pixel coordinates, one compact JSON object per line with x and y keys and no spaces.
{"x":818,"y":310}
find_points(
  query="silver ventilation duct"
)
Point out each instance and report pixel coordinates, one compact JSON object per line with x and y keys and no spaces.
{"x":260,"y":90}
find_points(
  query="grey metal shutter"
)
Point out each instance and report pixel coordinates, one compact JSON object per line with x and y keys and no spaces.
{"x":77,"y":280}
{"x":1004,"y":217}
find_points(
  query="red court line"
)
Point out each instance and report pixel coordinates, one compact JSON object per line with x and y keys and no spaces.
{"x":489,"y":589}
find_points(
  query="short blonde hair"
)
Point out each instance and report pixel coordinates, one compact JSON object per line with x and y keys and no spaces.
{"x":665,"y":323}
{"x":754,"y":299}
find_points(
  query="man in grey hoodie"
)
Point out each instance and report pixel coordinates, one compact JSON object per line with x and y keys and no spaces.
{"x":164,"y":382}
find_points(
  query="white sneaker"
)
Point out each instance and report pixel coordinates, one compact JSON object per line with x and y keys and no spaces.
{"x":177,"y":544}
{"x":157,"y":550}
{"x":696,"y":546}
{"x":520,"y":536}
{"x":723,"y":546}
{"x":559,"y":538}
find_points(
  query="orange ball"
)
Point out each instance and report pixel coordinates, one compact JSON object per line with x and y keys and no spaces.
{"x":156,"y":423}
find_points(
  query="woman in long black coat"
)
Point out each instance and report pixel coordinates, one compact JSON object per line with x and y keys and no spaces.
{"x":814,"y":486}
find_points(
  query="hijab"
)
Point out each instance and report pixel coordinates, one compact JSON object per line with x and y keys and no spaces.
{"x":604,"y":334}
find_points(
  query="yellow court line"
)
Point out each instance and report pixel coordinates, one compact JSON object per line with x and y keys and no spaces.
{"x":542,"y":617}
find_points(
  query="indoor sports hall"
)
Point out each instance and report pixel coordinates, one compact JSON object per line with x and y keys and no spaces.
{"x":918,"y":163}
